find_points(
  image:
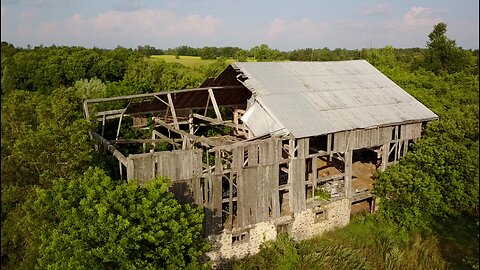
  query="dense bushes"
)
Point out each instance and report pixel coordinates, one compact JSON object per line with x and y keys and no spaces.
{"x":96,"y":223}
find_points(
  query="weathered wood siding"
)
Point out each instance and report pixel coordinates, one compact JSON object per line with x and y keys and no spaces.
{"x":252,"y":171}
{"x":366,"y":138}
{"x":183,"y":167}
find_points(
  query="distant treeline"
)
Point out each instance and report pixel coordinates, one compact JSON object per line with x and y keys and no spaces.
{"x":46,"y":68}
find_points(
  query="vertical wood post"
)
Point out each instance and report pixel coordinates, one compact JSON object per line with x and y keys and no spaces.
{"x":348,"y":173}
{"x":385,"y":151}
{"x":103,"y":125}
{"x":329,"y":147}
{"x":130,"y":169}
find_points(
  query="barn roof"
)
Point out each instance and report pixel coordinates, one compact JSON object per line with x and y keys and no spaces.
{"x":314,"y":98}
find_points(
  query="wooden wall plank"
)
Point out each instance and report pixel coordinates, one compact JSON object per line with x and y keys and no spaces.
{"x":250,"y":196}
{"x":297,"y":185}
{"x":273,"y":189}
{"x":253,"y":154}
{"x":197,"y":173}
{"x":241,"y":201}
{"x":348,"y":173}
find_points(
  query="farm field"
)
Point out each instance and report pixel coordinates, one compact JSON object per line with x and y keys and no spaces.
{"x":188,"y":61}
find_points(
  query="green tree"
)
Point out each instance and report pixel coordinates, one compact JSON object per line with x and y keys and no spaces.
{"x":93,"y":222}
{"x":263,"y":53}
{"x":442,"y":53}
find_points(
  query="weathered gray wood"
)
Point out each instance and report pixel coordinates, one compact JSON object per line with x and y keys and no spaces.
{"x":247,"y":203}
{"x":85,"y":109}
{"x":215,"y":106}
{"x":217,"y":192}
{"x":97,"y":100}
{"x":297,"y":185}
{"x":130,"y":169}
{"x":273,"y":189}
{"x":314,"y":175}
{"x":230,"y":198}
{"x":202,"y":140}
{"x":253,"y":155}
{"x":139,"y":141}
{"x":241,"y":200}
{"x":110,"y":148}
{"x":303,"y":147}
{"x":103,"y":125}
{"x":119,"y":125}
{"x":172,"y":109}
{"x":348,"y":173}
{"x":385,"y":152}
{"x":329,"y":143}
{"x":262,"y":211}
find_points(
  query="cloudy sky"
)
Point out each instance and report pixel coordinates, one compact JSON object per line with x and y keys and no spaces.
{"x":282,"y":24}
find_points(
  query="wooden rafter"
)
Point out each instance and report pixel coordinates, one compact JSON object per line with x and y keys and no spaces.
{"x":203,"y":140}
{"x":215,"y":105}
{"x":110,"y":148}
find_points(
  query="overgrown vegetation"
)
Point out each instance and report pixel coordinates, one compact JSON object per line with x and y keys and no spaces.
{"x":368,"y":242}
{"x":49,"y":193}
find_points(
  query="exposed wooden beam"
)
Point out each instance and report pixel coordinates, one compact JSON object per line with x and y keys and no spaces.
{"x":110,"y":112}
{"x":85,"y":109}
{"x":119,"y":125}
{"x":214,"y":121}
{"x":172,"y":109}
{"x":202,"y":140}
{"x":110,"y":148}
{"x":136,"y":141}
{"x":171,"y":141}
{"x":98,"y":100}
{"x":157,"y":97}
{"x":103,"y":125}
{"x":214,"y":103}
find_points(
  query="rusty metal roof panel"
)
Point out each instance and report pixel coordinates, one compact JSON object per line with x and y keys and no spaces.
{"x":315,"y":98}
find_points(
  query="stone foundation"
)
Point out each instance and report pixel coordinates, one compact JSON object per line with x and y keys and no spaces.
{"x":311,"y":222}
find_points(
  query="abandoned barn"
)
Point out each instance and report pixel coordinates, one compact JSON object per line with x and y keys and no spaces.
{"x":266,"y":147}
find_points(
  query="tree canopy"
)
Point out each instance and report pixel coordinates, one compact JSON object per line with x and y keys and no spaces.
{"x":93,"y":222}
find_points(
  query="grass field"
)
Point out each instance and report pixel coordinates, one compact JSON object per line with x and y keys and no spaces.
{"x":188,"y":61}
{"x":367,"y":243}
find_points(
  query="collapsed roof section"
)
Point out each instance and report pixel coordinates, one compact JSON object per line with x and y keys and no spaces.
{"x":307,"y":99}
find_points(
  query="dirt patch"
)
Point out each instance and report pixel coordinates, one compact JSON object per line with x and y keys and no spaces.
{"x":360,"y":207}
{"x":363,"y":176}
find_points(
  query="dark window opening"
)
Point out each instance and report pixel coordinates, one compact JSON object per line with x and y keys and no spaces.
{"x":240,"y":237}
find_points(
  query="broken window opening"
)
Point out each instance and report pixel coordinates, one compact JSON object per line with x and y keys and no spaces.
{"x":240,"y":237}
{"x":320,"y":215}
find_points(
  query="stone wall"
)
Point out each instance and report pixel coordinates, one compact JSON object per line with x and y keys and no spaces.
{"x":306,"y":224}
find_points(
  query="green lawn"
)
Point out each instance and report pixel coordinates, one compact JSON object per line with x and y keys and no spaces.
{"x":188,"y":61}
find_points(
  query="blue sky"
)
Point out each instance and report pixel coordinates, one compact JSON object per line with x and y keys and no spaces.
{"x":283,"y":25}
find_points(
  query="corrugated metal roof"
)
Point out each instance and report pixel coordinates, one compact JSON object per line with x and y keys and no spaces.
{"x":315,"y":98}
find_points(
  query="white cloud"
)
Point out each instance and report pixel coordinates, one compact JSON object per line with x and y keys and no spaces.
{"x":137,"y":26}
{"x":378,"y":9}
{"x":420,"y":17}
